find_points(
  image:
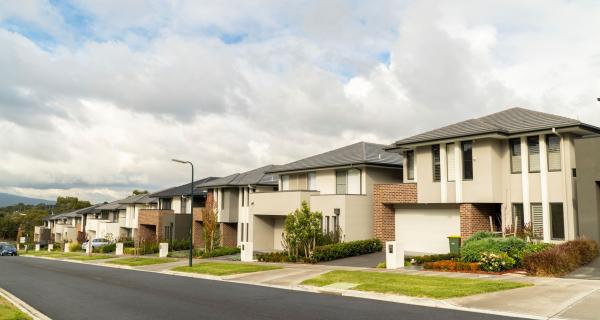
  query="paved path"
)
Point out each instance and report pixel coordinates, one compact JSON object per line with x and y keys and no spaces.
{"x":590,"y":271}
{"x":65,"y":290}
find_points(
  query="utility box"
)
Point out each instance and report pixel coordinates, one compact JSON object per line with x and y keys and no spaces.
{"x":67,"y":248}
{"x":394,"y":255}
{"x":163,"y":250}
{"x":247,"y":251}
{"x":50,"y":247}
{"x":37,"y":247}
{"x":119,"y":249}
{"x":89,"y":248}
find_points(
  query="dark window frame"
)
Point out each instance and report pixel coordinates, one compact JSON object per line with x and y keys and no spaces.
{"x":548,"y":153}
{"x":562,"y":220}
{"x":410,"y":162}
{"x":533,"y":139}
{"x":466,"y":161}
{"x":435,"y":151}
{"x":512,"y":154}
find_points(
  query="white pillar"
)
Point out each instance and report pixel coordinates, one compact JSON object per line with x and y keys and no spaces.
{"x":163,"y":250}
{"x":247,"y":252}
{"x":66,"y":248}
{"x":37,"y":247}
{"x":394,"y":255}
{"x":119,"y":249}
{"x":525,"y":180}
{"x":50,"y":247}
{"x":89,"y":249}
{"x":544,"y":187}
{"x":443,"y":174}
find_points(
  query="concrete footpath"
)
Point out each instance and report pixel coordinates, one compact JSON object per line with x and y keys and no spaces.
{"x":549,"y":298}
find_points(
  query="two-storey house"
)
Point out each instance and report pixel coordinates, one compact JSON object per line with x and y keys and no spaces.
{"x":338,"y":183}
{"x":509,"y":170}
{"x":231,"y":197}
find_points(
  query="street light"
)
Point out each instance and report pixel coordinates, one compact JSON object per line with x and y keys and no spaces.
{"x":191,"y":209}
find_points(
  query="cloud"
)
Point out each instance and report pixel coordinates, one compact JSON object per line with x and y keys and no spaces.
{"x":263,"y":83}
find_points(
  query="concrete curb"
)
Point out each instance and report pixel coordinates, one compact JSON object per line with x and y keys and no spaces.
{"x":24,"y":307}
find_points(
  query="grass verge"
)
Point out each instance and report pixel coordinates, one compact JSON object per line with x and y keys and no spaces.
{"x":90,"y":258}
{"x":136,"y":262}
{"x":10,"y":312}
{"x":411,"y":285}
{"x":223,"y":269}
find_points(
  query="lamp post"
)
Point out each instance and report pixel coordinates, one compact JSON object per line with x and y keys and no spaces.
{"x":191,"y":209}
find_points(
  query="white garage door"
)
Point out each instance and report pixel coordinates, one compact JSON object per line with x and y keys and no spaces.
{"x":426,"y":230}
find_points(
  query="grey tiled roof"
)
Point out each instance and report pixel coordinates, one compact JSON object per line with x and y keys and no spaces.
{"x":354,"y":154}
{"x":183,"y":190}
{"x":115,"y":205}
{"x":506,"y":122}
{"x":140,"y":198}
{"x":76,"y":213}
{"x":252,"y":177}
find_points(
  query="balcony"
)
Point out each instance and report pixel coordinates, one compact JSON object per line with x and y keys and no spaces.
{"x":108,"y":230}
{"x":279,"y":203}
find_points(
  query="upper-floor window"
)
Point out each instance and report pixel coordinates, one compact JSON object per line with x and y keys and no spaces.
{"x":515,"y":155}
{"x":183,"y":207}
{"x":435,"y":156}
{"x":285,"y":183}
{"x":312,"y":181}
{"x":533,"y":150}
{"x":165,"y":203}
{"x":410,"y":164}
{"x":553,"y":143}
{"x":450,"y":161}
{"x":467,"y":159}
{"x":347,"y":181}
{"x":557,"y":221}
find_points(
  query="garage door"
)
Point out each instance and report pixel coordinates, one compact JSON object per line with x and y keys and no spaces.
{"x":426,"y":230}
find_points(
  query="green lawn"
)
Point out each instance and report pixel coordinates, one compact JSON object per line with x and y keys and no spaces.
{"x":10,"y":312}
{"x":92,"y":257}
{"x":52,"y":254}
{"x":223,"y":269}
{"x":136,"y":262}
{"x":411,"y":285}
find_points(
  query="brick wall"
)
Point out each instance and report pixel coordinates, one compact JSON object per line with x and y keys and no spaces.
{"x":384,"y":198}
{"x":149,"y":219}
{"x":228,"y":234}
{"x":476,"y":217}
{"x":198,"y":234}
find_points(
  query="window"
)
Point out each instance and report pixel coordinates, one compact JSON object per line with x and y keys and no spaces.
{"x":410,"y":163}
{"x":222,"y":199}
{"x":515,"y":155}
{"x":533,"y":149}
{"x":518,"y":216}
{"x":285,"y":183}
{"x":340,"y":181}
{"x":243,"y":195}
{"x":312,"y":181}
{"x":537,"y":219}
{"x":335,"y":223}
{"x":242,"y":232}
{"x":353,"y":181}
{"x":467,"y":159}
{"x":165,"y":204}
{"x":553,"y":145}
{"x":450,"y":161}
{"x":247,"y":231}
{"x":327,"y":224}
{"x":557,"y":220}
{"x":435,"y":156}
{"x":183,"y":208}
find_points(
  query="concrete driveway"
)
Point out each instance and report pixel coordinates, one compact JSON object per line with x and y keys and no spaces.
{"x":590,"y":271}
{"x":365,"y":261}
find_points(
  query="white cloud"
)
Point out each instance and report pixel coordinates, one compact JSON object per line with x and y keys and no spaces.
{"x":105,"y":116}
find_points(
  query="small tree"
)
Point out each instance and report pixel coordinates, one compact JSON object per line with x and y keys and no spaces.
{"x":210,"y":226}
{"x":302,"y":229}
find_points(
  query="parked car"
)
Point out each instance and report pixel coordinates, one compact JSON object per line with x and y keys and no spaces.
{"x":8,"y":250}
{"x":96,"y":243}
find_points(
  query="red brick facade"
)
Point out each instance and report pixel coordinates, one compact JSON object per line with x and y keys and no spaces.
{"x":149,"y":224}
{"x":476,"y":217}
{"x":384,"y":198}
{"x":228,"y":233}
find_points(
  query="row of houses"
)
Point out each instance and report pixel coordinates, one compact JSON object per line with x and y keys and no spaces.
{"x":507,"y":172}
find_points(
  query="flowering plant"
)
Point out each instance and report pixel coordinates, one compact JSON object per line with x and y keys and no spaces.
{"x":496,"y":261}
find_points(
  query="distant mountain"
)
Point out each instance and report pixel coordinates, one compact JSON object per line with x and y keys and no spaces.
{"x":7,"y":199}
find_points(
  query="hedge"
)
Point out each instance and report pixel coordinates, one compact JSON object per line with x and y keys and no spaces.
{"x":472,"y":250}
{"x":432,"y":258}
{"x":217,"y":252}
{"x":561,"y":259}
{"x":346,"y":249}
{"x":451,"y":265}
{"x":108,"y":248}
{"x":275,"y":257}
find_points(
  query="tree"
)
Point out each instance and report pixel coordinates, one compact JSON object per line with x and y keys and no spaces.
{"x":302,"y":229}
{"x":66,"y":204}
{"x":137,"y":192}
{"x":210,"y":226}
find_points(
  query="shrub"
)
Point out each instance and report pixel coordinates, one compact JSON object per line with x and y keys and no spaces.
{"x":347,"y":249}
{"x":74,"y":247}
{"x":561,"y":259}
{"x":178,"y":245}
{"x":451,"y":265}
{"x":130,"y":251}
{"x":431,"y":258}
{"x":480,"y":235}
{"x":531,"y":248}
{"x":496,"y":261}
{"x":512,"y":246}
{"x":382,"y":265}
{"x":57,"y":247}
{"x":108,"y":248}
{"x":275,"y":257}
{"x":221,"y":251}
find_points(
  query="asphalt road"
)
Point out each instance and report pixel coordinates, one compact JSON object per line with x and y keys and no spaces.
{"x":64,"y":290}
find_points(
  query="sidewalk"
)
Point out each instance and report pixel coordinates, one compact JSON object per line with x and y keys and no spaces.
{"x":549,"y":298}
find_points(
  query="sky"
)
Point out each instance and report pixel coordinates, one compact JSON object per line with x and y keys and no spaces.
{"x":97,"y":96}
